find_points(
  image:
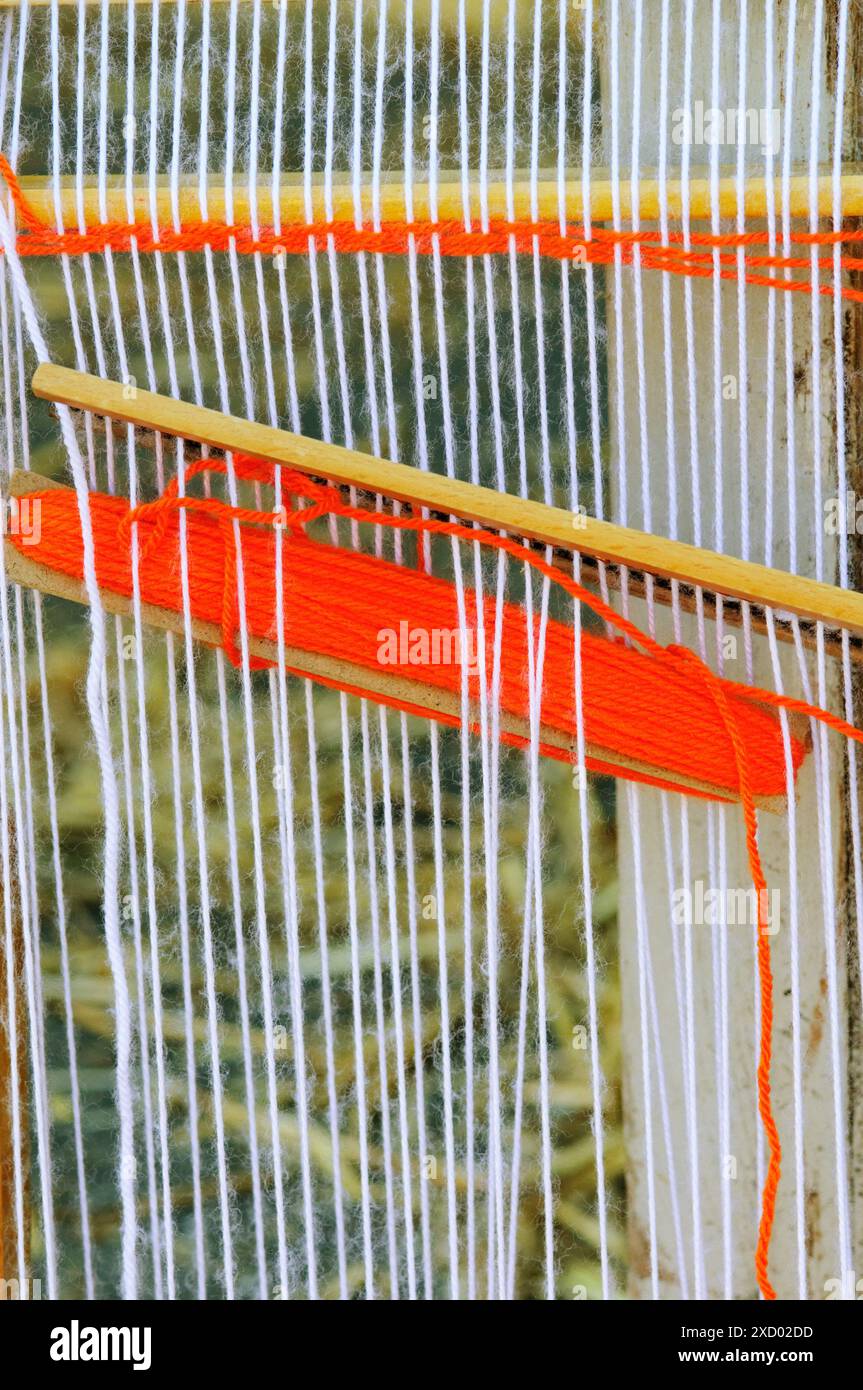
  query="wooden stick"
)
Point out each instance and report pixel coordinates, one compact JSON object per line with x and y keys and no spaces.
{"x":38,"y":189}
{"x":565,"y":531}
{"x":685,"y":597}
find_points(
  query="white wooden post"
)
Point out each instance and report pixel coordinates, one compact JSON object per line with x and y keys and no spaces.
{"x":728,"y":1185}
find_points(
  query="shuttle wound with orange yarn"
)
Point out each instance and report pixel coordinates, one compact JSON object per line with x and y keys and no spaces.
{"x":372,"y":615}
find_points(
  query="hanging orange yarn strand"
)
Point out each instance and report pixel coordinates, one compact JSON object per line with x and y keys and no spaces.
{"x":663,"y":703}
{"x":693,"y":256}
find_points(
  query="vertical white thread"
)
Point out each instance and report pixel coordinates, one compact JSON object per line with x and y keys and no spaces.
{"x":101,"y":732}
{"x":350,"y":854}
{"x":28,"y":906}
{"x":416,"y":1007}
{"x":143,"y":1028}
{"x":473,"y":430}
{"x":277,"y":688}
{"x":464,"y":749}
{"x":15,"y":1044}
{"x":378,"y":994}
{"x":673,"y":522}
{"x":320,"y":897}
{"x":167,"y":1233}
{"x":790,"y":433}
{"x":389,"y":844}
{"x":329,"y":1039}
{"x":234,"y":877}
{"x":641,"y":933}
{"x":491,"y":783}
{"x":596,"y":1077}
{"x":825,"y":819}
{"x":356,"y":1002}
{"x":423,"y":453}
{"x":680,"y":998}
{"x":692,"y":388}
{"x":291,"y":910}
{"x":392,"y":442}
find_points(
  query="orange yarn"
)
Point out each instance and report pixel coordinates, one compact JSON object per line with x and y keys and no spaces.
{"x":451,"y":238}
{"x":765,"y":977}
{"x":336,"y":602}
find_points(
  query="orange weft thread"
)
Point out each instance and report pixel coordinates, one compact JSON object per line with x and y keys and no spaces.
{"x":452,"y":238}
{"x":344,"y":586}
{"x":765,"y":976}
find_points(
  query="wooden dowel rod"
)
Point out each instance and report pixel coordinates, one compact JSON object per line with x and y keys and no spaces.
{"x":38,"y":189}
{"x":734,"y":614}
{"x":616,"y":545}
{"x":687,"y":599}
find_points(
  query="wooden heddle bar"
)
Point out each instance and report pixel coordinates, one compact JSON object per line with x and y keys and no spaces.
{"x":493,"y":196}
{"x":639,"y":553}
